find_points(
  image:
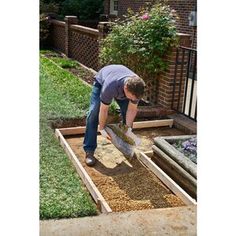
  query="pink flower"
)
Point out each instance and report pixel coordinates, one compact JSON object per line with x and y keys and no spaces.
{"x":145,"y":16}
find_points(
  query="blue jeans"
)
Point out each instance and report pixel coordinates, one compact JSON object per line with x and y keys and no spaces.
{"x":90,"y":138}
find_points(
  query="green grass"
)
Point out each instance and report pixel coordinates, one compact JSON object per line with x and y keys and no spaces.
{"x":62,"y":194}
{"x":67,"y":63}
{"x":63,"y":62}
{"x":63,"y":95}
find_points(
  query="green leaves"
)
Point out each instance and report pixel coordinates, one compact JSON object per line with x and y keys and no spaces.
{"x":146,"y":37}
{"x":84,"y":9}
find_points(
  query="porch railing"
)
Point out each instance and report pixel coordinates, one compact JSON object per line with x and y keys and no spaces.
{"x":184,"y":96}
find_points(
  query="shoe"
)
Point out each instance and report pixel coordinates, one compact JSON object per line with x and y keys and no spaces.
{"x":90,"y":160}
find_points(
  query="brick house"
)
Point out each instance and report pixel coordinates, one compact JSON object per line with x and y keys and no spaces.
{"x":184,"y":9}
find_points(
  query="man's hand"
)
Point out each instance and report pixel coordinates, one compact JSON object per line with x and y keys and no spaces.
{"x":105,"y":134}
{"x":129,"y":131}
{"x":133,"y":136}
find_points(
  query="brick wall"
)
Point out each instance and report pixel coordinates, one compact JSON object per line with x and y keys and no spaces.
{"x":182,"y":7}
{"x":166,"y":79}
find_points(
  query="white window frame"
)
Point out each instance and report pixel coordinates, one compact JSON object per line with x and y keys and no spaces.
{"x":112,"y":6}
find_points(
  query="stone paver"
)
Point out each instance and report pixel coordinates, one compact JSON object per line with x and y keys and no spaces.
{"x":169,"y":221}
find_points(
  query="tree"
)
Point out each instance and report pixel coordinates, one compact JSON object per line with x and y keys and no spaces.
{"x":83,"y":9}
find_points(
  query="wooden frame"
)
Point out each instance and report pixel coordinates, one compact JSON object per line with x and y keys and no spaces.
{"x":98,"y":198}
{"x":136,"y":125}
{"x":171,"y":184}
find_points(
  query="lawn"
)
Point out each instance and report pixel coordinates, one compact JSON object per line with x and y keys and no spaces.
{"x":62,"y":96}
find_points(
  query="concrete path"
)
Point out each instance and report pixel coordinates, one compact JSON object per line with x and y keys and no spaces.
{"x":169,"y":221}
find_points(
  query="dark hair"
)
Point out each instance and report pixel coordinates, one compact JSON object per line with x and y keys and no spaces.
{"x":135,"y":85}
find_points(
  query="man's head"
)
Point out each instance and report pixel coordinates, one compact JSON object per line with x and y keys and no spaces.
{"x":134,"y":88}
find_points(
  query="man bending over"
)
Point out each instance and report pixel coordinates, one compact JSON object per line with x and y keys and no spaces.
{"x":111,"y":82}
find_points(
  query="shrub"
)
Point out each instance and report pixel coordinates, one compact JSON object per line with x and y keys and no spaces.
{"x":47,"y":10}
{"x":48,"y":7}
{"x":83,"y":9}
{"x":44,"y":30}
{"x":70,"y":7}
{"x":91,"y":9}
{"x":141,"y":41}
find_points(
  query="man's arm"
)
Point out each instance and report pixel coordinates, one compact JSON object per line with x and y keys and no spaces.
{"x":103,"y":113}
{"x":131,"y":113}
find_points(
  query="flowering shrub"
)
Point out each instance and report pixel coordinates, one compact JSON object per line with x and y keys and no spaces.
{"x":145,"y":16}
{"x":141,"y":41}
{"x":188,"y":148}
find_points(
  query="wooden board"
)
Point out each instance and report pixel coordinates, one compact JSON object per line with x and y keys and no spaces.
{"x":136,"y":125}
{"x":98,"y":198}
{"x":175,"y":188}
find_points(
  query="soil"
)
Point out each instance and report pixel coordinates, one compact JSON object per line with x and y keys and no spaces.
{"x":84,"y":74}
{"x":125,"y":183}
{"x":73,"y":122}
{"x":65,"y":123}
{"x":80,"y":72}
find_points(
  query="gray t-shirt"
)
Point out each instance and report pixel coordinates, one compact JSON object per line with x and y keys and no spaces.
{"x":112,"y":78}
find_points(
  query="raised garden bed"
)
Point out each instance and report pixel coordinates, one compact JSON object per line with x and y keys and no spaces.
{"x":169,"y":146}
{"x":178,"y":166}
{"x":187,"y":146}
{"x":118,"y":184}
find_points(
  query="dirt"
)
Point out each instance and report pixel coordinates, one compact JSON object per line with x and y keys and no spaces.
{"x":73,"y":122}
{"x":125,"y":183}
{"x":65,"y":123}
{"x":80,"y":72}
{"x":83,"y":74}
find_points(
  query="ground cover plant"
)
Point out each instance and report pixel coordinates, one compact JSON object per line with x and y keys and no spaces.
{"x":188,"y":147}
{"x":62,"y":95}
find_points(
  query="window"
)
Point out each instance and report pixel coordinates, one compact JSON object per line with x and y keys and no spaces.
{"x":114,"y":7}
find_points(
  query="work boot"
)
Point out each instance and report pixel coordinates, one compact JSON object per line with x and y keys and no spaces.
{"x":90,"y":160}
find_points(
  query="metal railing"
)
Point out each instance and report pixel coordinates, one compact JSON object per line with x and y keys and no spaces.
{"x":184,"y":96}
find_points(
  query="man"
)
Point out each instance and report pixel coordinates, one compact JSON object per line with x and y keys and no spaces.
{"x":120,"y":83}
